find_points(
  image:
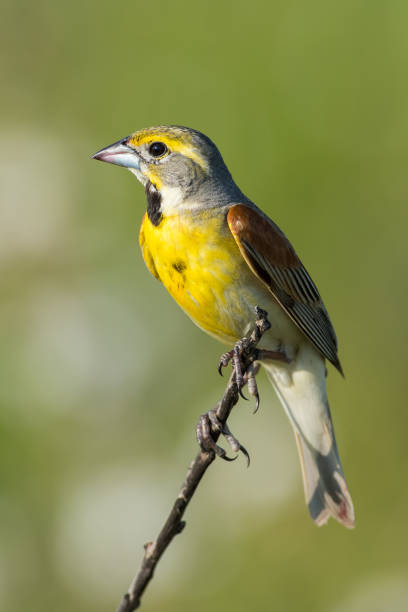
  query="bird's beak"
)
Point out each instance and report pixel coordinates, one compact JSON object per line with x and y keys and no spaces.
{"x":119,"y":153}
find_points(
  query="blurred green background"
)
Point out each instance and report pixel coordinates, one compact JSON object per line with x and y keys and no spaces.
{"x":103,"y":377}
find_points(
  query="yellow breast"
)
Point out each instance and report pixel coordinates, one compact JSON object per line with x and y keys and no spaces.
{"x":197,"y":260}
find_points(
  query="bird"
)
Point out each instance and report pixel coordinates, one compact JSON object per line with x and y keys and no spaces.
{"x":220,"y":256}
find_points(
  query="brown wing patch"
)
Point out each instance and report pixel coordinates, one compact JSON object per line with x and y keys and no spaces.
{"x":272,"y":258}
{"x":256,"y":229}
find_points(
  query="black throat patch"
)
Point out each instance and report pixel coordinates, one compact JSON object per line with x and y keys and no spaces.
{"x":153,"y":204}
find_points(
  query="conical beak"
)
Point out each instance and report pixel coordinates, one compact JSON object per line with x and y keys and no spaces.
{"x":119,"y":153}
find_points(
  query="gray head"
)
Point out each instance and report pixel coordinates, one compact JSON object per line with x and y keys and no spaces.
{"x":182,"y":164}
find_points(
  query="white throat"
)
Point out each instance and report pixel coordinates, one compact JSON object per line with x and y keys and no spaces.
{"x":171,"y":199}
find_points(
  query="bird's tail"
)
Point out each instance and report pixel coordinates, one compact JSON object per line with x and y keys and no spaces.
{"x":302,"y":392}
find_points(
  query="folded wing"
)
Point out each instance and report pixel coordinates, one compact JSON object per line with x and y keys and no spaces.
{"x":272,"y":258}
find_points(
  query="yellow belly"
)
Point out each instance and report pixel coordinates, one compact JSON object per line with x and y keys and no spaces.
{"x":199,"y":263}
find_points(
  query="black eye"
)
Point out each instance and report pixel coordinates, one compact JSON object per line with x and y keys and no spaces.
{"x":157,"y":149}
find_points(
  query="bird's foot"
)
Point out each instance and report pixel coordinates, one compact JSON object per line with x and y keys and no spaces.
{"x":236,"y":356}
{"x":244,"y":379}
{"x":244,"y":354}
{"x":210,"y":424}
{"x":246,"y":346}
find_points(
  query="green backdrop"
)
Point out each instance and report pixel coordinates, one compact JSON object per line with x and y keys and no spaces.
{"x":103,"y":377}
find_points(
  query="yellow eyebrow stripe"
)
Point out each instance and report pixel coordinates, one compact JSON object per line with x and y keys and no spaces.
{"x":184,"y":147}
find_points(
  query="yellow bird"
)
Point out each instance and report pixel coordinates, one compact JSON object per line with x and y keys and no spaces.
{"x":219,"y":256}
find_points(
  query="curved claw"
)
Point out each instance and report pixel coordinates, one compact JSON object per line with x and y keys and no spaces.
{"x":226,"y":458}
{"x":219,"y":451}
{"x":242,"y":395}
{"x":224,"y":361}
{"x":245,"y":452}
{"x":209,"y":444}
{"x":256,"y":404}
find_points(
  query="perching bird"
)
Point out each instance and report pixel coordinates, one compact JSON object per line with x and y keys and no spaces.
{"x":219,"y":256}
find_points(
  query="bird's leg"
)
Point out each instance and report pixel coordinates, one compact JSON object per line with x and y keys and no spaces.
{"x":208,"y":424}
{"x":264,"y":355}
{"x":236,"y":356}
{"x":238,"y":365}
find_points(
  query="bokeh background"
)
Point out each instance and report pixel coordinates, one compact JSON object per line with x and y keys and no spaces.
{"x":103,"y":377}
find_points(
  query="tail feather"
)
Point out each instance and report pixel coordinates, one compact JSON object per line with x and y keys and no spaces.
{"x":303,"y":395}
{"x":325,"y":487}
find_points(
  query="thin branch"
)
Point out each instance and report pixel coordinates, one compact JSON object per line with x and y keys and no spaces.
{"x":174,"y":525}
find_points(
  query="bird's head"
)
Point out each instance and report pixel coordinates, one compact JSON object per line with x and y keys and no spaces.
{"x":181,"y":165}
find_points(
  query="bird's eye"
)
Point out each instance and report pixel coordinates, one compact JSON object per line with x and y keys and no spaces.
{"x":157,"y":149}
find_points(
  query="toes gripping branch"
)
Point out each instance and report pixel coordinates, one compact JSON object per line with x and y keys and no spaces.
{"x":243,"y":356}
{"x":209,"y":423}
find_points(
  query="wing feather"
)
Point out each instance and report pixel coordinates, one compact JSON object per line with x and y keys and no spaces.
{"x":272,"y":258}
